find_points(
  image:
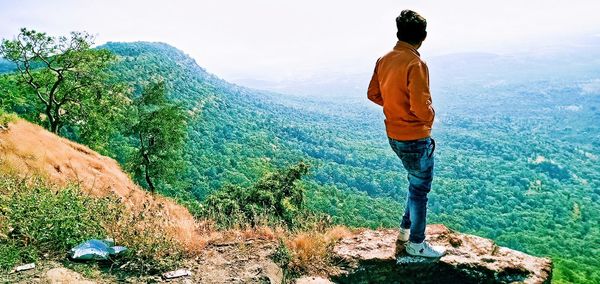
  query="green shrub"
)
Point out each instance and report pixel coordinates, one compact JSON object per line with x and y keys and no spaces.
{"x":12,"y":254}
{"x":37,"y":220}
{"x":276,"y":198}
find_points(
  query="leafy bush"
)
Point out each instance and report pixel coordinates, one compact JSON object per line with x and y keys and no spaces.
{"x":276,"y":198}
{"x":282,"y":257}
{"x":41,"y":221}
{"x":37,"y":220}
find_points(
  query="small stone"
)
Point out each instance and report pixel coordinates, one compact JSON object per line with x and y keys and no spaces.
{"x":177,"y":273}
{"x":454,"y":241}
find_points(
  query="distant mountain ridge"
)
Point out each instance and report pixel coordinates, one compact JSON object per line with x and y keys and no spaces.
{"x":563,"y":60}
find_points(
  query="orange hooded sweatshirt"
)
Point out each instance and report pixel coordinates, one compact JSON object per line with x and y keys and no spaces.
{"x":400,"y":84}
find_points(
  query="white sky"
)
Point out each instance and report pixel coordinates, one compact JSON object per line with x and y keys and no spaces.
{"x":279,"y":39}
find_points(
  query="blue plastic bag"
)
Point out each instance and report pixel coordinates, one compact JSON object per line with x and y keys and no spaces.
{"x":95,"y":250}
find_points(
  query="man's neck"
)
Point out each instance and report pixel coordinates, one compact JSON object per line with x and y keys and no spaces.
{"x":414,"y":45}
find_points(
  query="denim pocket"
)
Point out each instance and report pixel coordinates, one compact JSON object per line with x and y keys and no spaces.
{"x":411,"y":161}
{"x":431,"y":148}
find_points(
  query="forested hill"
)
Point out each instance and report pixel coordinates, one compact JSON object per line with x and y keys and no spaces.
{"x":236,"y":134}
{"x":232,"y":128}
{"x":520,"y":173}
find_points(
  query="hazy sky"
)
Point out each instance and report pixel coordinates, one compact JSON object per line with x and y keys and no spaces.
{"x":279,"y":39}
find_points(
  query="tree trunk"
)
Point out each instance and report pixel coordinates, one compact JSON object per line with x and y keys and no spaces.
{"x":54,"y":126}
{"x":146,"y":165}
{"x":148,"y":180}
{"x":54,"y":123}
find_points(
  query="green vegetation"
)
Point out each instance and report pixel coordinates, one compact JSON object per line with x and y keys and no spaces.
{"x":39,"y":221}
{"x":277,"y":198}
{"x":66,"y":79}
{"x":159,"y":127}
{"x":63,"y":84}
{"x":5,"y":118}
{"x":36,"y":220}
{"x":282,"y":257}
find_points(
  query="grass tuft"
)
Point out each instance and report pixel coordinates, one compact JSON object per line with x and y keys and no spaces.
{"x":6,"y":118}
{"x":311,"y":250}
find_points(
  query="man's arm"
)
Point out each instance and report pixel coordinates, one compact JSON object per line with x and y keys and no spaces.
{"x":418,"y":88}
{"x":374,"y":93}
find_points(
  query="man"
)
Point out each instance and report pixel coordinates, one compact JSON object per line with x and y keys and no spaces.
{"x":400,"y":84}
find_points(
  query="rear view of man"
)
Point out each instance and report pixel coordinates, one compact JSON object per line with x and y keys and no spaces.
{"x":400,"y":84}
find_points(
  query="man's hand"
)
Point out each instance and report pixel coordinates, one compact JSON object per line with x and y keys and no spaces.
{"x":373,"y":93}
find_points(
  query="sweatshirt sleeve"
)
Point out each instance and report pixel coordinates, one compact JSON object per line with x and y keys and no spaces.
{"x":418,"y":88}
{"x":374,"y":93}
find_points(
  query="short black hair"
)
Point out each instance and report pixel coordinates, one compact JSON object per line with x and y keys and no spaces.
{"x":411,"y":27}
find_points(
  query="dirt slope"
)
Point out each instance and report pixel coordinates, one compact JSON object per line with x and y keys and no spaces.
{"x":27,"y":149}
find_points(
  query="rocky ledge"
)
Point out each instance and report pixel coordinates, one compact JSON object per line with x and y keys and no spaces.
{"x":374,"y":256}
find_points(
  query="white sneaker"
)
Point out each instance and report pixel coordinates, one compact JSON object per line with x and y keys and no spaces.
{"x":403,"y":235}
{"x":424,"y":249}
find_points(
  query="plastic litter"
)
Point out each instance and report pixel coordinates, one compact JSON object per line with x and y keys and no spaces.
{"x":24,"y":267}
{"x":96,"y":250}
{"x":177,"y":273}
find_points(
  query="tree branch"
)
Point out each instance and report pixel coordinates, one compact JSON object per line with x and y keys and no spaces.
{"x":54,"y":87}
{"x":27,"y":71}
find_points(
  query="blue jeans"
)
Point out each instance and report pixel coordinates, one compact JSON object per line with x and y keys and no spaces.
{"x":417,"y":158}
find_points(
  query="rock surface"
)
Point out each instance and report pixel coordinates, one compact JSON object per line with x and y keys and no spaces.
{"x":63,"y":276}
{"x":375,"y":256}
{"x":313,"y":280}
{"x":239,"y":261}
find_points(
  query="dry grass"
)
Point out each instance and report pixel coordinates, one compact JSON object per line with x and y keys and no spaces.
{"x":311,"y":251}
{"x":150,"y":223}
{"x":28,"y":150}
{"x":338,"y":232}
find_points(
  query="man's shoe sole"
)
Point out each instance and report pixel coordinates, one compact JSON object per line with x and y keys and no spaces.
{"x":419,"y":255}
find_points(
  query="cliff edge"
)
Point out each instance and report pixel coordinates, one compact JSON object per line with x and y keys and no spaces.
{"x":375,"y":256}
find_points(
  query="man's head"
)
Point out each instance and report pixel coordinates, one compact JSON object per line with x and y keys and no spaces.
{"x":411,"y":27}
